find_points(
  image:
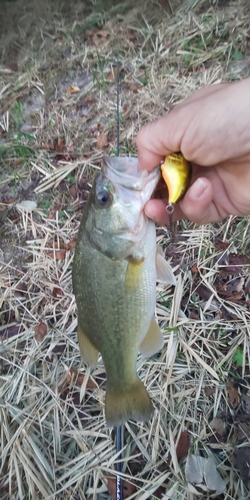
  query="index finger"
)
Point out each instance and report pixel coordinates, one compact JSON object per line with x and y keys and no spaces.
{"x":154,"y":142}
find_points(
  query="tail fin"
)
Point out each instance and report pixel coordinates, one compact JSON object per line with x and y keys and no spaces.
{"x":133,"y":402}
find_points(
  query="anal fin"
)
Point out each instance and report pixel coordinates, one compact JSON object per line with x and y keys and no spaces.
{"x":88,"y":351}
{"x":153,"y":340}
{"x":163,"y":269}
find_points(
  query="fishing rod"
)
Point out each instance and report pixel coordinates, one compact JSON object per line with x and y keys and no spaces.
{"x":119,"y":429}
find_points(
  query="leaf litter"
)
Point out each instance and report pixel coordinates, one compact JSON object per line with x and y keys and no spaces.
{"x":57,"y":103}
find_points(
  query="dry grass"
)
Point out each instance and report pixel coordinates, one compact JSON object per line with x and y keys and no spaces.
{"x":54,"y":443}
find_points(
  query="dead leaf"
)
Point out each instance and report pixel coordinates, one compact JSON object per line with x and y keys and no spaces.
{"x":40,"y":331}
{"x":3,"y":212}
{"x":183,"y":445}
{"x":202,"y":476}
{"x":70,"y":245}
{"x":219,"y":426}
{"x":74,"y":375}
{"x":100,"y":37}
{"x":231,"y":290}
{"x":73,"y":191}
{"x":102,"y":140}
{"x":72,"y":89}
{"x":242,"y":462}
{"x":222,"y":245}
{"x":246,"y":401}
{"x":194,"y":268}
{"x":243,"y":431}
{"x":159,"y":492}
{"x":11,"y":331}
{"x":135,"y":87}
{"x":57,"y":292}
{"x":112,"y":75}
{"x":57,"y":254}
{"x":233,"y":396}
{"x":59,"y":144}
{"x":27,"y":205}
{"x":247,"y":286}
{"x":209,"y":391}
{"x":89,"y":98}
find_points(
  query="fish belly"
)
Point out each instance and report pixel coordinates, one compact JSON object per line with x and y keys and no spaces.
{"x":116,"y":303}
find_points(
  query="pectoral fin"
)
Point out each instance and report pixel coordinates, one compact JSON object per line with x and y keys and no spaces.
{"x":133,"y":274}
{"x":153,"y":341}
{"x":88,"y":351}
{"x":163,"y":269}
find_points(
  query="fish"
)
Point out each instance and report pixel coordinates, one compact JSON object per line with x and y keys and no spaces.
{"x":115,"y":268}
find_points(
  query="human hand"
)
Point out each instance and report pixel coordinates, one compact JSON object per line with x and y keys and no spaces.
{"x":212,"y":130}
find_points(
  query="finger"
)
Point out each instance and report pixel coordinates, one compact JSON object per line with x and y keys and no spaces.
{"x":154,"y":144}
{"x":197,"y":205}
{"x":156,"y":210}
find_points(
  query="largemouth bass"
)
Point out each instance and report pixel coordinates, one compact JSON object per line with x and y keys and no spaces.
{"x":115,"y":269}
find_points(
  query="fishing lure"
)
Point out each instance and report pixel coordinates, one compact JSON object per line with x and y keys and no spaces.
{"x":176,"y":172}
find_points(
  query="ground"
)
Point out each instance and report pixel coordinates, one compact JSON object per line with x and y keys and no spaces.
{"x":58,"y":64}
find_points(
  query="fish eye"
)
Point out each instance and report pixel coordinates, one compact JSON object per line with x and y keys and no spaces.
{"x":104,"y":198}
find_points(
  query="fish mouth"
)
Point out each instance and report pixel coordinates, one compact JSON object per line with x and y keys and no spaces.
{"x":125,"y":171}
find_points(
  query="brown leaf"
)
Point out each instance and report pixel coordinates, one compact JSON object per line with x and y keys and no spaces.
{"x":40,"y":331}
{"x":112,"y":75}
{"x":100,"y":37}
{"x":246,"y":401}
{"x":233,"y":396}
{"x":73,"y":375}
{"x":73,"y":191}
{"x":222,"y":245}
{"x":159,"y":492}
{"x":204,"y":292}
{"x":89,"y":98}
{"x":183,"y":445}
{"x":135,"y":87}
{"x":72,"y":89}
{"x":194,"y":268}
{"x":219,"y":426}
{"x":70,"y":245}
{"x":57,"y":292}
{"x":247,"y":286}
{"x":244,"y":431}
{"x":59,"y":144}
{"x":242,"y":462}
{"x":3,"y":212}
{"x":232,"y":289}
{"x":102,"y":140}
{"x":209,"y":391}
{"x":57,"y":254}
{"x":11,"y":331}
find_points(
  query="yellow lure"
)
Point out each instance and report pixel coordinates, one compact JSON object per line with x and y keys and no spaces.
{"x":176,"y":172}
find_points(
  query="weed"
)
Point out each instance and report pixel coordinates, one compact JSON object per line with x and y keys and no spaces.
{"x":16,"y":115}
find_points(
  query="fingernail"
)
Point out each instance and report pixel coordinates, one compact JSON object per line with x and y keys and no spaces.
{"x":198,"y":188}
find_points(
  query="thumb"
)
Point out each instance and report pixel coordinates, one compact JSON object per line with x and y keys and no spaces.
{"x":197,"y":205}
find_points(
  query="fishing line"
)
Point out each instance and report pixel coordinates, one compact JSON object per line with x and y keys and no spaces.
{"x":119,"y":430}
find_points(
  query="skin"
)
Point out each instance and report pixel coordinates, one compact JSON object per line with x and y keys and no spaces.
{"x":212,"y":130}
